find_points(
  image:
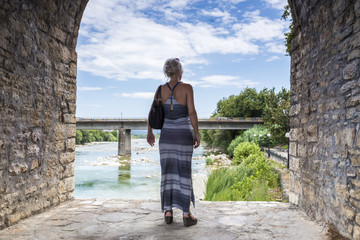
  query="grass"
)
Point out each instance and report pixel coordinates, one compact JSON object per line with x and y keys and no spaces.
{"x":244,"y":183}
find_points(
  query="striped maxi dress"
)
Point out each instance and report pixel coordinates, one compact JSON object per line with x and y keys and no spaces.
{"x":176,"y":148}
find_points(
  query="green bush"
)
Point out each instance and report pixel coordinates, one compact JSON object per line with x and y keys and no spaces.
{"x":249,"y":179}
{"x":251,"y":135}
{"x":243,"y":150}
{"x":209,"y":161}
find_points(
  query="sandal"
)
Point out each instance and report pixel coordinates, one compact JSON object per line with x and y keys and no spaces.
{"x":189,"y":221}
{"x":168,"y":219}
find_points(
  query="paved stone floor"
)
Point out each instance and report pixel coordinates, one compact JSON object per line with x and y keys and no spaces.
{"x":141,"y":219}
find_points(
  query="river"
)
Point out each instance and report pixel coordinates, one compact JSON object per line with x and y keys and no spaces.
{"x":100,"y":173}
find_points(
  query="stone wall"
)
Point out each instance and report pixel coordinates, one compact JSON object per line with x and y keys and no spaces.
{"x":37,"y":104}
{"x":325,"y":112}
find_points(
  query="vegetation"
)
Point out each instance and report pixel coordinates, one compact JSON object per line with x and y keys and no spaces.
{"x":249,"y":179}
{"x":289,"y":36}
{"x":271,"y":106}
{"x":88,"y":136}
{"x":257,"y":134}
{"x":209,"y":161}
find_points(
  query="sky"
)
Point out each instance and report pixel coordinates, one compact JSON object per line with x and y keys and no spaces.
{"x":223,"y":45}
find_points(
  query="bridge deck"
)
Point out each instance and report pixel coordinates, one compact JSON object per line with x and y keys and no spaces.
{"x":140,"y":124}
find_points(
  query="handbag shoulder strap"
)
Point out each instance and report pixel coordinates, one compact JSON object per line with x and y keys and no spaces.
{"x":158,"y":95}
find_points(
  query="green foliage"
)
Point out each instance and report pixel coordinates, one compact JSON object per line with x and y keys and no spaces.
{"x":276,"y":115}
{"x":79,"y":137}
{"x":272,"y":107}
{"x":209,"y":161}
{"x":250,"y":135}
{"x":244,"y":150}
{"x":88,"y":136}
{"x":289,"y":36}
{"x":248,"y":103}
{"x":250,"y":179}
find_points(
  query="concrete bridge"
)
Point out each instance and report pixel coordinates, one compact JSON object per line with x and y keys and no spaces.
{"x":124,"y":127}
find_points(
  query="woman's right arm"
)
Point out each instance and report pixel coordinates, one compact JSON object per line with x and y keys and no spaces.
{"x":150,"y":135}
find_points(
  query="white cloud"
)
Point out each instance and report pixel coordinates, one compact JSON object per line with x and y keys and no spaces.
{"x":118,"y":41}
{"x":226,"y":17}
{"x":260,"y":28}
{"x":273,"y":58}
{"x":145,"y":95}
{"x":223,"y":80}
{"x":88,"y":88}
{"x":278,"y":4}
{"x":234,"y":1}
{"x":276,"y":47}
{"x":177,"y":4}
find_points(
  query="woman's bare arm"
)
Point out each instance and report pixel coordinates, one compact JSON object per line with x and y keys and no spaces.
{"x":150,"y":135}
{"x":192,"y":114}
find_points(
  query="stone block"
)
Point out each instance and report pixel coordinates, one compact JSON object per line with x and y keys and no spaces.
{"x":34,"y":164}
{"x":13,"y":218}
{"x":70,"y":144}
{"x":67,"y":157}
{"x":355,"y":194}
{"x":293,"y":198}
{"x":353,"y":101}
{"x":301,"y":150}
{"x":348,"y":136}
{"x":294,"y":164}
{"x":312,"y":135}
{"x":72,"y":131}
{"x":349,"y":212}
{"x":66,"y":185}
{"x":355,"y":161}
{"x":293,"y":149}
{"x":295,"y":109}
{"x":59,"y":131}
{"x":354,"y":54}
{"x":357,"y":8}
{"x":17,"y":168}
{"x":356,"y":183}
{"x":357,"y":218}
{"x":356,"y":232}
{"x":30,"y":190}
{"x":351,"y":70}
{"x":58,"y":34}
{"x":348,"y":86}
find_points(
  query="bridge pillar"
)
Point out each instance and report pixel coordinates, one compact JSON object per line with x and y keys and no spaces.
{"x":124,"y":142}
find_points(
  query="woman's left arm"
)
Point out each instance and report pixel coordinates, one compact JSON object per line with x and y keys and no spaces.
{"x":192,"y":114}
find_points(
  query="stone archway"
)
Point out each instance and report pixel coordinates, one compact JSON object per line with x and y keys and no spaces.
{"x":325,"y":112}
{"x":38,"y":103}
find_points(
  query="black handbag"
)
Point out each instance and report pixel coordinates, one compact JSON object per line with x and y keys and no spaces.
{"x":156,"y":114}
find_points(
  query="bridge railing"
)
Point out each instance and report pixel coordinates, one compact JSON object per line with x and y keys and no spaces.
{"x":250,"y":119}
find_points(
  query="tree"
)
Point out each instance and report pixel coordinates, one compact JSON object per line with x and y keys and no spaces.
{"x":79,"y":137}
{"x":276,"y":115}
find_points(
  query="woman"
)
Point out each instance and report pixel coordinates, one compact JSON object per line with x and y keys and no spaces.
{"x":179,"y":135}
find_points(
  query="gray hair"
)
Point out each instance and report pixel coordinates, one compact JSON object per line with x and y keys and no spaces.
{"x":172,"y":66}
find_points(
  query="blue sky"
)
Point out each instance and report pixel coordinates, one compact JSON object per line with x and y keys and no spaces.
{"x":224,"y":46}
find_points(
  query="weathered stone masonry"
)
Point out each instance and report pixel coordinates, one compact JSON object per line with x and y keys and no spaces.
{"x":38,"y":94}
{"x":325,"y":112}
{"x":37,"y":104}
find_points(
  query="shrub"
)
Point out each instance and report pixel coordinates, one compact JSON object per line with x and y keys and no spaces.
{"x":248,"y":136}
{"x":209,"y":161}
{"x":249,"y":180}
{"x":243,"y":150}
